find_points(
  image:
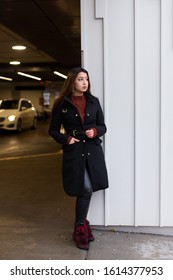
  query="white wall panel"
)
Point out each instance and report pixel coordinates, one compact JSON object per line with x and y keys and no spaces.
{"x":127,"y":46}
{"x":92,"y":60}
{"x":92,"y":46}
{"x":166,"y":218}
{"x":147,"y":112}
{"x":119,"y":104}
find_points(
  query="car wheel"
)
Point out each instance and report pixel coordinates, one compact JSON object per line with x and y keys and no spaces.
{"x":34,"y":126}
{"x":19,"y":125}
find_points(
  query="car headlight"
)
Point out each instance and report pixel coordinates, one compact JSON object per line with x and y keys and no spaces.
{"x":11,"y":118}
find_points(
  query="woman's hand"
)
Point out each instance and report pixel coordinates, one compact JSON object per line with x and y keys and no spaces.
{"x":73,"y":140}
{"x":90,"y":133}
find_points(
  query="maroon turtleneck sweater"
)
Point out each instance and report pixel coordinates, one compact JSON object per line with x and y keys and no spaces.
{"x":80,"y":103}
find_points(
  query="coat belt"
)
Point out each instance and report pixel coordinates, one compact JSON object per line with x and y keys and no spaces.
{"x":76,"y":132}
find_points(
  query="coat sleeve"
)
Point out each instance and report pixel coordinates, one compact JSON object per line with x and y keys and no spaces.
{"x":55,"y":126}
{"x":100,"y":124}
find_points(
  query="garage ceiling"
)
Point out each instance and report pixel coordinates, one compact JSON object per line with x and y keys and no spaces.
{"x":50,"y":29}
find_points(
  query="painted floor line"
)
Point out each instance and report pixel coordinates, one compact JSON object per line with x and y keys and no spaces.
{"x":31,"y":156}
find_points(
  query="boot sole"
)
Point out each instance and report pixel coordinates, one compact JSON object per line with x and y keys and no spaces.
{"x":91,"y":239}
{"x":83,"y":247}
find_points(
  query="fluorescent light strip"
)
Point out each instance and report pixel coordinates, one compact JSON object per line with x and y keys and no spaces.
{"x":18,"y":47}
{"x":59,"y":74}
{"x":14,"y":62}
{"x":29,"y":76}
{"x":5,"y":78}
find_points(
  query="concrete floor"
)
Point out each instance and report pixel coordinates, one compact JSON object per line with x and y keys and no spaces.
{"x":36,"y":216}
{"x":36,"y":220}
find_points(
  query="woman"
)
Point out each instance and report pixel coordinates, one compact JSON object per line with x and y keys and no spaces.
{"x":83,"y":166}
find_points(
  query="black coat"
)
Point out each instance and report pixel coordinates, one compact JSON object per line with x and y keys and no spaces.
{"x":87,"y":151}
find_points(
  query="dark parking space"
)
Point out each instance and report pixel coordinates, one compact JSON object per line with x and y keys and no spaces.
{"x":36,"y":220}
{"x":28,"y":142}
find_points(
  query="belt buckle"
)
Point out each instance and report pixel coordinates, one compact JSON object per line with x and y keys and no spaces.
{"x":74,"y":132}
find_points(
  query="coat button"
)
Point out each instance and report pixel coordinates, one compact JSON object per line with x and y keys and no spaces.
{"x":88,"y":115}
{"x":82,"y":155}
{"x":88,"y":154}
{"x":84,"y":141}
{"x":76,"y":115}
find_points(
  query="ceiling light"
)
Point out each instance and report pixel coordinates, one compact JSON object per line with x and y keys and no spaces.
{"x":5,"y":78}
{"x":59,"y":74}
{"x":29,"y":76}
{"x":19,"y":47}
{"x":14,"y":62}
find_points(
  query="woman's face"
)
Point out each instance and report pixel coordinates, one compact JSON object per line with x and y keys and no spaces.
{"x":81,"y":83}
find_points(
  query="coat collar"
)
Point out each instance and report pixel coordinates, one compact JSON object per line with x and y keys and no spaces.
{"x":89,"y":97}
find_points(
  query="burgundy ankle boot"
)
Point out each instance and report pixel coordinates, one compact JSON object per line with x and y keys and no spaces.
{"x":90,"y":235}
{"x":80,"y":236}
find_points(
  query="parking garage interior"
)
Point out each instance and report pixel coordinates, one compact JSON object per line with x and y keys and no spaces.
{"x":50,"y":31}
{"x":34,"y":209}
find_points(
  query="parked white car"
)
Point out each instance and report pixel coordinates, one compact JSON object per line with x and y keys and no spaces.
{"x":16,"y":114}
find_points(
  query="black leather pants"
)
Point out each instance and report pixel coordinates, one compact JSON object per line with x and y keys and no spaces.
{"x":83,"y":201}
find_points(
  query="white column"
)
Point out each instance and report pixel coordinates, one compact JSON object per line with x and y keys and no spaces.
{"x":92,"y":13}
{"x":147,"y":112}
{"x":166,"y":218}
{"x":119,"y":99}
{"x":127,"y":47}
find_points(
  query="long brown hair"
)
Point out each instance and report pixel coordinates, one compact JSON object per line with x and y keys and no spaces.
{"x":68,"y":85}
